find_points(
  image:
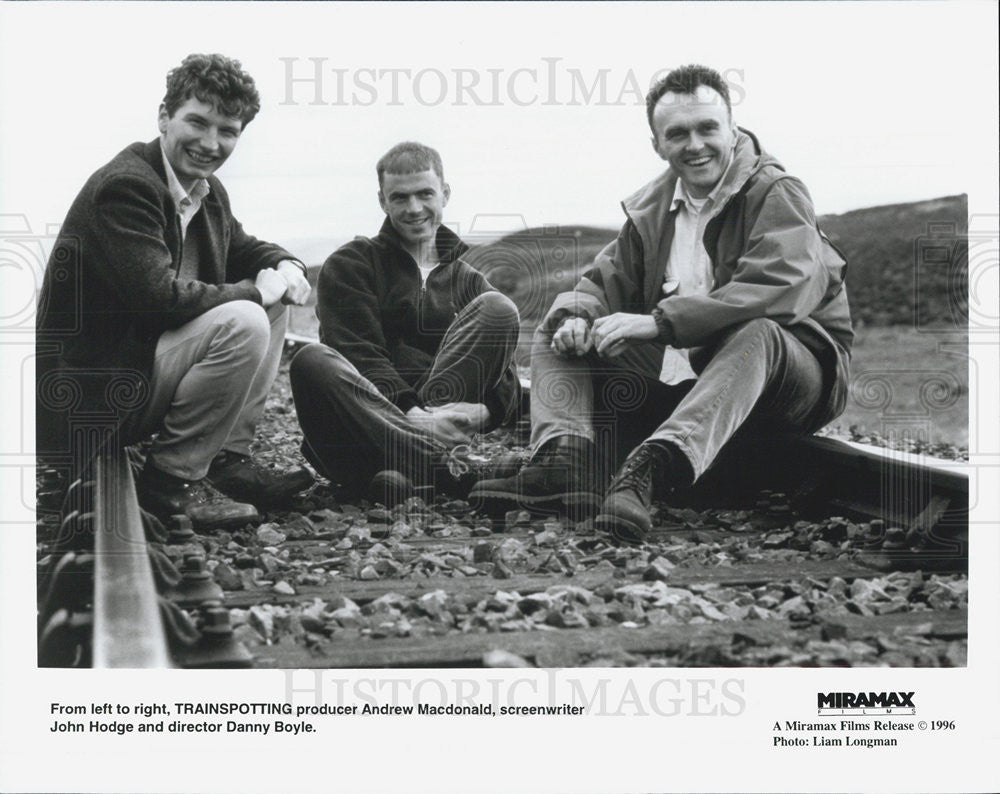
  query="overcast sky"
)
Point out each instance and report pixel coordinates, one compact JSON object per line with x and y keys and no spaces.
{"x":536,"y":109}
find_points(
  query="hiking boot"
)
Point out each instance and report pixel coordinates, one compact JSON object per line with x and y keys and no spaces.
{"x":241,"y":477}
{"x":560,"y":478}
{"x":390,"y":488}
{"x":453,"y":473}
{"x":164,"y":496}
{"x":625,"y":512}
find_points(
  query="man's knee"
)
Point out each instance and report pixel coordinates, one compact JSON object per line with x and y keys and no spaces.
{"x":317,"y":362}
{"x":759,"y":327}
{"x":309,"y":363}
{"x":247,"y":322}
{"x":496,"y":310}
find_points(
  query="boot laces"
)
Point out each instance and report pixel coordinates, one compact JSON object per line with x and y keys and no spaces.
{"x":636,"y":473}
{"x":460,"y":460}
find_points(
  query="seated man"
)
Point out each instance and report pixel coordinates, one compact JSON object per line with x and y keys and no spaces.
{"x":417,"y":347}
{"x":720,"y":267}
{"x":161,"y":315}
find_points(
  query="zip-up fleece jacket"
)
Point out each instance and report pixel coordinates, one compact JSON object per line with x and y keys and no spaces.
{"x":374,"y":310}
{"x":112,"y":287}
{"x":769,"y":260}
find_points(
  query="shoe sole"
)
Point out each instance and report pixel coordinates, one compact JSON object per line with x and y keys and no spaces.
{"x":576,"y":503}
{"x":213,"y":518}
{"x":622,"y":530}
{"x":264,"y":499}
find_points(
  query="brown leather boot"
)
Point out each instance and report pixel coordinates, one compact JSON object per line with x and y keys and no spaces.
{"x":625,"y":511}
{"x":390,"y":488}
{"x":164,"y":495}
{"x":241,"y":477}
{"x":560,"y":478}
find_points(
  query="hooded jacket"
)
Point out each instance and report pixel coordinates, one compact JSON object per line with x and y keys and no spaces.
{"x":769,"y":260}
{"x":374,"y":310}
{"x":112,"y":287}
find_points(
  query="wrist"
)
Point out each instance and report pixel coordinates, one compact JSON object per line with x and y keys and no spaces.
{"x":293,"y":263}
{"x":664,"y":330}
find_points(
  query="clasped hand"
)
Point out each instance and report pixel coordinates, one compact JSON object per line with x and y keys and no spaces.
{"x":287,"y":284}
{"x":609,"y":336}
{"x":451,"y":424}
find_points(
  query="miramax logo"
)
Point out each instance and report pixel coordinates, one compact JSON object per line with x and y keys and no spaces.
{"x":861,"y":703}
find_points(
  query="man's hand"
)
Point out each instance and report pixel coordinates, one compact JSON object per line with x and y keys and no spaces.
{"x":573,"y":337}
{"x":447,"y":426}
{"x":477,"y":413}
{"x":612,"y":334}
{"x":271,"y":285}
{"x":298,"y":284}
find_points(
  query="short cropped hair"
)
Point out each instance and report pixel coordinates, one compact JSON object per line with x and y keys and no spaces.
{"x":214,"y":79}
{"x":409,"y":157}
{"x":685,"y":80}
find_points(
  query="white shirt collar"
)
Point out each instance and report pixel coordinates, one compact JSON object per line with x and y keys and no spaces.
{"x":181,"y":197}
{"x":681,"y":195}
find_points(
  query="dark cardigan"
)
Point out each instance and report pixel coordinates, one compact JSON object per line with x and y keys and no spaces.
{"x":112,"y":287}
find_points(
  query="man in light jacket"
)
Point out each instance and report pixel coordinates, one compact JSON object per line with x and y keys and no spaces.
{"x":721,"y":305}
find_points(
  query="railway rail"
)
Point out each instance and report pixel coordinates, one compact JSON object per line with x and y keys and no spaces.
{"x":780,"y":579}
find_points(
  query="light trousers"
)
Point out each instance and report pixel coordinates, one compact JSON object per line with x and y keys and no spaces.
{"x":211,"y":377}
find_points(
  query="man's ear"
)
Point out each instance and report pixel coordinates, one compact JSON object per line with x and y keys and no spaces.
{"x":381,"y":202}
{"x":162,"y":118}
{"x":446,"y":192}
{"x":656,"y":147}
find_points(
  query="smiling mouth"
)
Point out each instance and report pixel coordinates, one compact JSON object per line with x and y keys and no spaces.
{"x":201,"y":159}
{"x":699,"y":161}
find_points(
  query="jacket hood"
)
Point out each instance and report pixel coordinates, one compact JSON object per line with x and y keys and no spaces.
{"x":449,"y":245}
{"x":649,"y":205}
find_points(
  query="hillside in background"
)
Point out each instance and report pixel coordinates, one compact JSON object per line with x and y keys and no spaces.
{"x":908,"y":262}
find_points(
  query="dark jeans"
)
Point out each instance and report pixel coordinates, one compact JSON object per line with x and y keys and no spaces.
{"x":352,"y":431}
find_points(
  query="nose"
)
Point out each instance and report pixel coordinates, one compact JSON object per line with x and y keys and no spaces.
{"x":413,"y":205}
{"x":694,"y":142}
{"x":209,"y":139}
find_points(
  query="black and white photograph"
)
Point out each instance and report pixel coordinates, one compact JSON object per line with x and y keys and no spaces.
{"x":534,"y":396}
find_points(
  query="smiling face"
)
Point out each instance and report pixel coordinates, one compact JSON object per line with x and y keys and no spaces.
{"x":197,"y":139}
{"x":696,"y":135}
{"x":415,"y":205}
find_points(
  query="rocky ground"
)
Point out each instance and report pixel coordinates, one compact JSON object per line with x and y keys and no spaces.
{"x":324,"y":541}
{"x":328,"y":543}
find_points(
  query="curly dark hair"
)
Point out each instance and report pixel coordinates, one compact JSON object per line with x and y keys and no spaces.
{"x":217,"y":80}
{"x":685,"y":80}
{"x":409,"y":157}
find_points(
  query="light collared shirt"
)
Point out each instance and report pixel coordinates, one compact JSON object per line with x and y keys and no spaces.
{"x":187,"y":204}
{"x":689,"y":268}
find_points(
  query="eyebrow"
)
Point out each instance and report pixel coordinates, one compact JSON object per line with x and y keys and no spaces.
{"x":685,"y":127}
{"x":405,"y":193}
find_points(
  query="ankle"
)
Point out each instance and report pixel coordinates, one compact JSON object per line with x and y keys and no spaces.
{"x":675,"y":465}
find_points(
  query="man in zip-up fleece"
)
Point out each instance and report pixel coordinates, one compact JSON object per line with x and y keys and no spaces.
{"x":416,"y":347}
{"x":160,"y":315}
{"x":719,"y":308}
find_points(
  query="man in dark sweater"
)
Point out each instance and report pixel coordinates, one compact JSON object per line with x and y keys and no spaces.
{"x":416,"y":346}
{"x":159,"y":314}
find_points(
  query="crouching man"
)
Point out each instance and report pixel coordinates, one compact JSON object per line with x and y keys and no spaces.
{"x":162,"y":316}
{"x":416,"y":346}
{"x":719,"y":270}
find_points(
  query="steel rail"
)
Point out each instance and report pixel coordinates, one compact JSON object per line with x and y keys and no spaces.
{"x":128,"y":629}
